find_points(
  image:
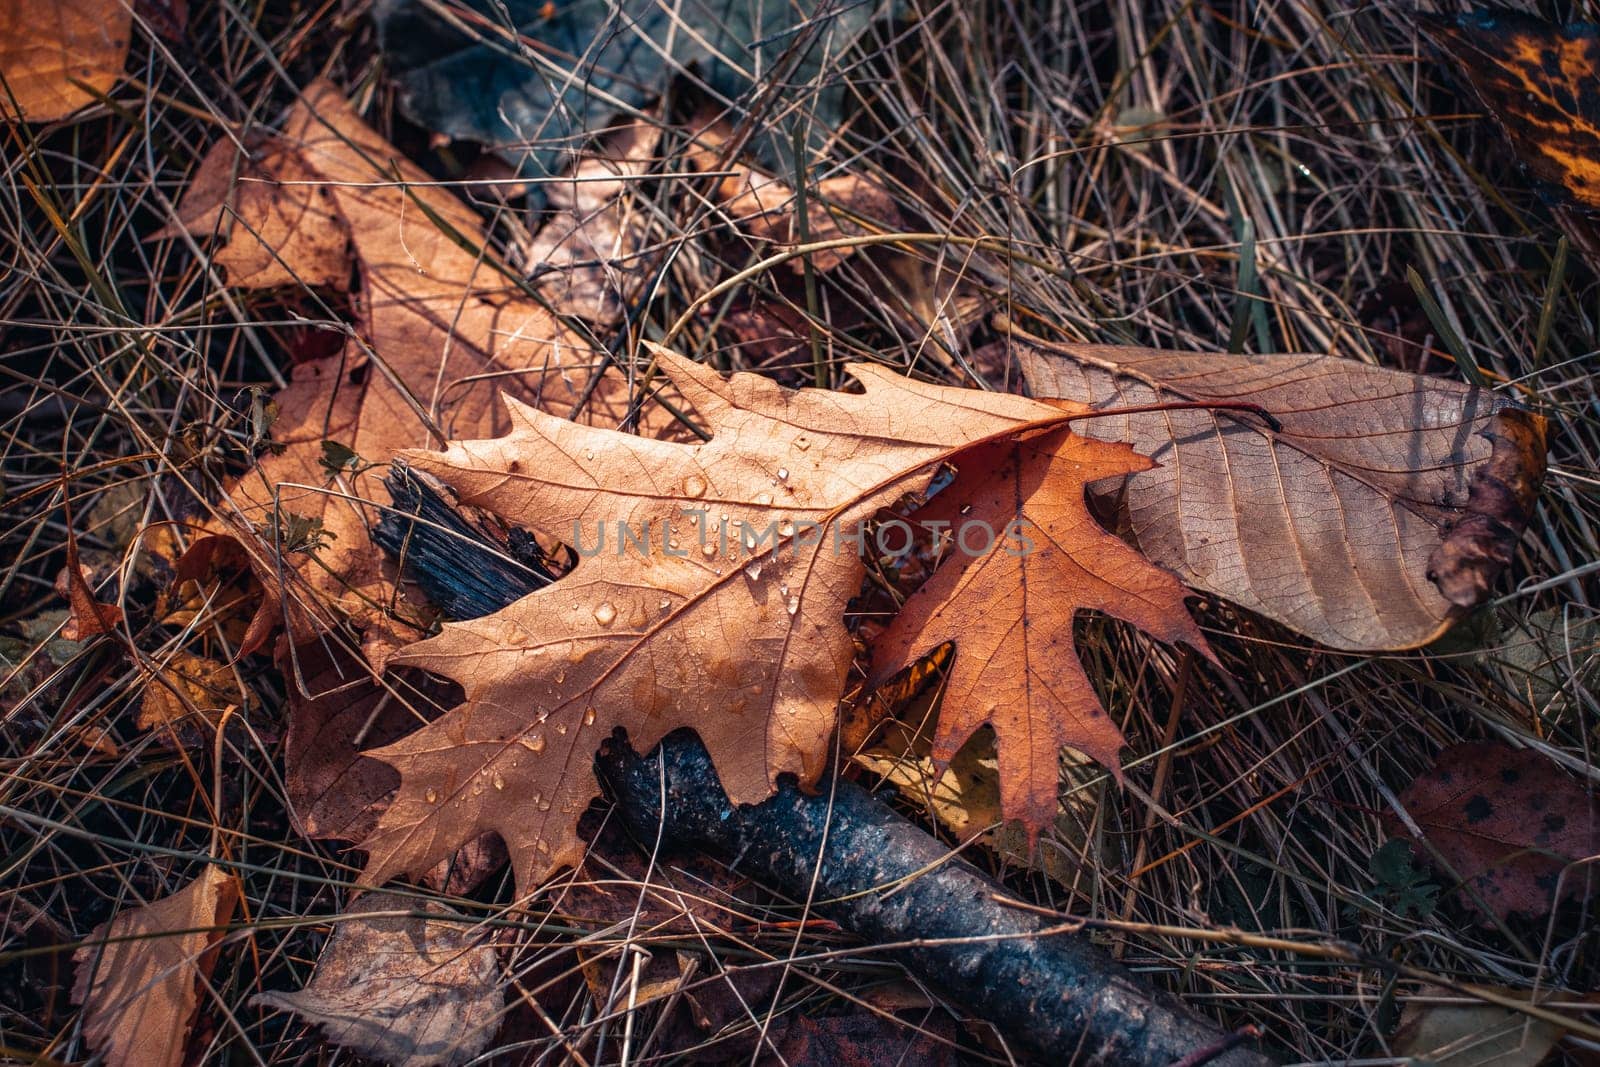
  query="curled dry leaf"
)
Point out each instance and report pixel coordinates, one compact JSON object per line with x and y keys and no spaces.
{"x":403,"y":989}
{"x":683,"y":627}
{"x":445,"y":328}
{"x":137,"y":974}
{"x":1025,"y":558}
{"x":58,"y":55}
{"x":1509,"y":822}
{"x":1381,"y":510}
{"x":88,"y":616}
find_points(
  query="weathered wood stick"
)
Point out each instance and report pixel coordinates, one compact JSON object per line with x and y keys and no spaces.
{"x":866,"y":867}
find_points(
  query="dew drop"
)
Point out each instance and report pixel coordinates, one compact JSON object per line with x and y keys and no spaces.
{"x":802,"y":443}
{"x":666,"y":604}
{"x":708,"y":550}
{"x":763,"y":499}
{"x":433,"y":796}
{"x":499,"y":782}
{"x":534,"y":744}
{"x":694,"y":486}
{"x":544,"y":847}
{"x":793,"y":605}
{"x":588,"y":716}
{"x":588,"y":453}
{"x":752,"y":570}
{"x":783,"y":474}
{"x":783,"y":590}
{"x":561,"y":728}
{"x":786,"y":529}
{"x":605,"y":613}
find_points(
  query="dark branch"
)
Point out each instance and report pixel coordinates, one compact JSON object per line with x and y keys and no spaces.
{"x":875,"y":873}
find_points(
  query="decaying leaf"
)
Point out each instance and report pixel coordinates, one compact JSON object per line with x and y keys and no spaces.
{"x":1538,"y":80}
{"x":1383,"y":508}
{"x":766,"y":208}
{"x":137,"y":974}
{"x":1553,"y":657}
{"x":725,"y":613}
{"x":1472,"y":1034}
{"x":1026,"y":556}
{"x":585,"y":257}
{"x":407,"y":990}
{"x":445,"y":327}
{"x":1508,"y":821}
{"x":58,"y":55}
{"x":186,"y":684}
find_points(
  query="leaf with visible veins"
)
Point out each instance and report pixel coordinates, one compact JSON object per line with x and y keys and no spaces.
{"x":749,"y":648}
{"x":1008,"y":602}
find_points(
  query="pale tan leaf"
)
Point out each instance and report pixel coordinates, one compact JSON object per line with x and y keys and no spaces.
{"x":137,"y":975}
{"x":58,"y":55}
{"x":585,"y":259}
{"x":407,"y":990}
{"x":1382,"y":509}
{"x":1473,"y":1034}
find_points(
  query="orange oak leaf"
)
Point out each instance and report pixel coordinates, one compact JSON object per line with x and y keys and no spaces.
{"x":722,"y":611}
{"x":137,"y":973}
{"x":1026,"y":557}
{"x":442,"y":328}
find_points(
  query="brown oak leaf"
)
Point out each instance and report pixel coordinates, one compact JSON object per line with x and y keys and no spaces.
{"x":1025,"y":557}
{"x":137,"y":974}
{"x":443,"y":326}
{"x":726,"y":616}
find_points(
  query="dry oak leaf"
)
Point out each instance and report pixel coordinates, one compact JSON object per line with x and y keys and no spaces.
{"x":58,"y":55}
{"x":446,"y":329}
{"x":1509,"y":822}
{"x":138,"y":973}
{"x":1383,"y":508}
{"x":686,"y":629}
{"x":403,"y":989}
{"x":1007,"y":595}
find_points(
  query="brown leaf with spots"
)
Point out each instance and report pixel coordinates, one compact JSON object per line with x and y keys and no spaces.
{"x":443,"y":327}
{"x":1508,"y":821}
{"x":404,"y":989}
{"x":1541,"y":83}
{"x":724,"y":634}
{"x":58,"y":55}
{"x":1378,"y":513}
{"x":138,"y":973}
{"x":1025,"y":557}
